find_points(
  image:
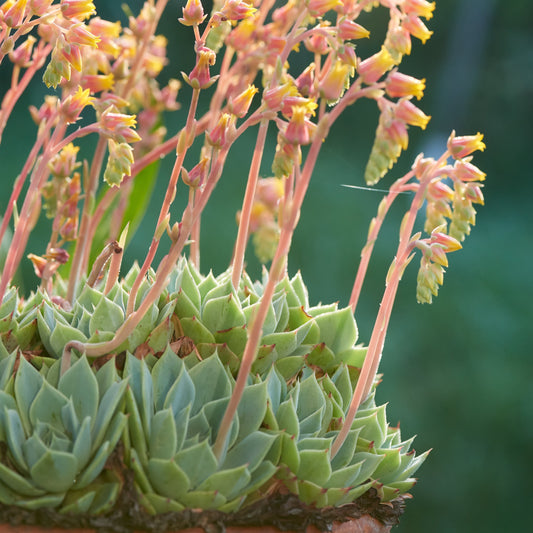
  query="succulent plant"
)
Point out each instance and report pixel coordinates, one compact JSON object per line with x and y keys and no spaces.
{"x":58,"y":433}
{"x":174,"y":385}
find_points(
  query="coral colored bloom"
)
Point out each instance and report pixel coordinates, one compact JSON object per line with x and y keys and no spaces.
{"x":320,"y":7}
{"x":300,"y":129}
{"x":219,"y":134}
{"x":196,"y":177}
{"x":410,"y":114}
{"x":79,"y":34}
{"x":460,"y":147}
{"x":193,"y":13}
{"x":98,"y":82}
{"x":78,"y":9}
{"x":420,"y":8}
{"x":333,"y":84}
{"x":200,"y":76}
{"x":119,"y":126}
{"x":466,"y":171}
{"x":399,"y":40}
{"x":274,"y":97}
{"x":75,"y":103}
{"x":21,"y":56}
{"x":39,"y":7}
{"x":241,"y":103}
{"x":372,"y":68}
{"x":417,"y":28}
{"x":399,"y":85}
{"x":448,"y":243}
{"x":13,"y":13}
{"x":237,"y":10}
{"x":349,"y":30}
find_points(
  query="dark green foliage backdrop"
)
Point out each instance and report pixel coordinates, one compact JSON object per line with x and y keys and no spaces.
{"x":457,"y":373}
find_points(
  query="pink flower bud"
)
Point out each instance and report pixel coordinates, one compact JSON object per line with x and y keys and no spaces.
{"x":350,"y":30}
{"x":400,"y":85}
{"x":466,"y":171}
{"x":237,"y":10}
{"x":193,"y":13}
{"x":419,"y":7}
{"x":416,"y":28}
{"x":372,"y":68}
{"x":78,"y":9}
{"x":241,"y":103}
{"x":460,"y":147}
{"x":220,"y":133}
{"x":410,"y":114}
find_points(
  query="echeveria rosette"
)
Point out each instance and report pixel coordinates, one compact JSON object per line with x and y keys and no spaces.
{"x":58,"y":433}
{"x":371,"y":456}
{"x":174,"y":414}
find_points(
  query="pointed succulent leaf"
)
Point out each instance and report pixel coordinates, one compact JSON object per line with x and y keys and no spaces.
{"x":210,"y":382}
{"x":209,"y":282}
{"x":373,"y":425}
{"x":314,"y":466}
{"x":55,"y":471}
{"x":161,"y":504}
{"x":185,"y":307}
{"x":311,"y":398}
{"x":9,"y":303}
{"x":141,"y":478}
{"x":287,"y":418}
{"x":15,"y":436}
{"x":344,"y":477}
{"x":106,"y":376}
{"x":311,"y":426}
{"x":95,"y":466}
{"x":235,"y":338}
{"x":47,"y":406}
{"x":388,"y":466}
{"x":322,"y":309}
{"x":345,"y":453}
{"x":194,"y":329}
{"x":33,"y":449}
{"x":222,"y":313}
{"x":136,"y":432}
{"x":140,"y":382}
{"x":163,"y":437}
{"x":250,"y":451}
{"x":106,"y":410}
{"x":165,"y":372}
{"x":28,"y":383}
{"x":229,"y":482}
{"x":338,"y":329}
{"x":203,"y":500}
{"x":312,"y":494}
{"x":369,"y":463}
{"x":6,"y":401}
{"x":180,"y":395}
{"x":288,"y":367}
{"x":160,"y":336}
{"x":80,"y":504}
{"x":277,"y":389}
{"x":80,"y":384}
{"x":198,"y":462}
{"x":252,"y":408}
{"x":42,"y":502}
{"x":25,"y":332}
{"x":143,"y":328}
{"x":106,"y":495}
{"x":321,"y":356}
{"x":82,"y":445}
{"x":107,"y":316}
{"x":61,"y":335}
{"x":89,"y":298}
{"x":167,"y":478}
{"x":287,"y":342}
{"x":290,"y":455}
{"x":17,"y":483}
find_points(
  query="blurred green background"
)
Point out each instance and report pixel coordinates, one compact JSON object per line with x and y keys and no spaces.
{"x":457,"y":373}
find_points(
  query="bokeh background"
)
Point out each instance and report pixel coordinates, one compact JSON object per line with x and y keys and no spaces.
{"x":458,"y":373}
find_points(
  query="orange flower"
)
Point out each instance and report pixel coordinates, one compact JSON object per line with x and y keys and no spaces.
{"x":372,"y":68}
{"x":399,"y":85}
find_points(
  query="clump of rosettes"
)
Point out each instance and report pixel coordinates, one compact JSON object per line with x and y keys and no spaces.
{"x":163,"y":392}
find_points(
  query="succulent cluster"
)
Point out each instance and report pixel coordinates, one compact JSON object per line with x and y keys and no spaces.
{"x":165,"y":391}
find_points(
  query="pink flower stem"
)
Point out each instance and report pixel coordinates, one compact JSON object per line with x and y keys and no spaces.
{"x":277,"y":269}
{"x":377,"y":340}
{"x":83,"y":245}
{"x":13,"y":95}
{"x":188,"y":134}
{"x":28,"y":213}
{"x":246,"y":212}
{"x":375,"y":227}
{"x":19,"y":183}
